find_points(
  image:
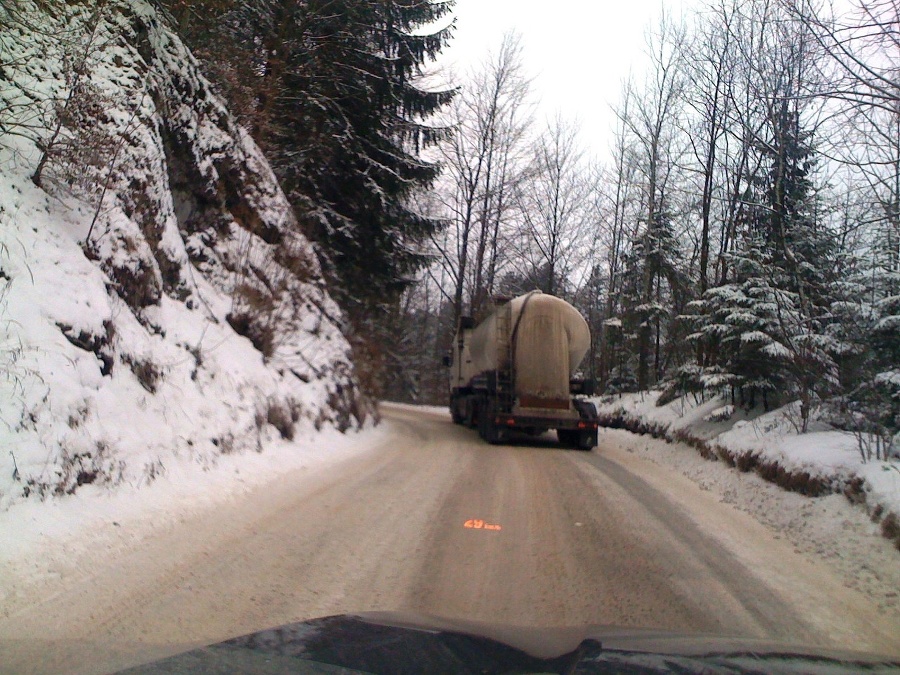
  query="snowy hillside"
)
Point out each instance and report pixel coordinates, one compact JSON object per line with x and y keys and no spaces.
{"x":158,"y":303}
{"x":825,"y":460}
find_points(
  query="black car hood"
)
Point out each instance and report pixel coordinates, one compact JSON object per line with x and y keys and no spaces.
{"x":400,"y":643}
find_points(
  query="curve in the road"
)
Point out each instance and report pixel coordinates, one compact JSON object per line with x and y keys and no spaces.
{"x":583,"y":538}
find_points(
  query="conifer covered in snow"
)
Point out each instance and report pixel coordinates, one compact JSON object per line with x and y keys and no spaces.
{"x":335,"y":102}
{"x":765,"y":330}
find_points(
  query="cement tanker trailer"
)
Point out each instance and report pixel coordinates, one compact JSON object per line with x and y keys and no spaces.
{"x":513,"y":372}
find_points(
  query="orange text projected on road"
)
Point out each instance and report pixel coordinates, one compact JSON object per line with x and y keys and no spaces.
{"x":475,"y":524}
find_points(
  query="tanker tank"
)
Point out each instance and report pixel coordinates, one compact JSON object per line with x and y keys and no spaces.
{"x":517,"y":364}
{"x":549,"y":341}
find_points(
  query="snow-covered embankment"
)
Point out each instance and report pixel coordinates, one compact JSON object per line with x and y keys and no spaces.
{"x":822,"y":461}
{"x":159,"y":306}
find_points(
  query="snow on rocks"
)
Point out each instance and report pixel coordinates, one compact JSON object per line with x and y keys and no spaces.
{"x":158,"y":307}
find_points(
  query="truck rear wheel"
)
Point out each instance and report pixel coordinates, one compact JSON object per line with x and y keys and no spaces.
{"x":587,"y":441}
{"x":578,"y":440}
{"x":487,"y":429}
{"x":457,"y":416}
{"x":470,"y":417}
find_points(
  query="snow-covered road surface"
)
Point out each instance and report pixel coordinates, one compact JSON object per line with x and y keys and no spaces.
{"x":435,"y":521}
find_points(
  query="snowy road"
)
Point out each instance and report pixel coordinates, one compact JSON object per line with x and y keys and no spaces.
{"x":435,"y":521}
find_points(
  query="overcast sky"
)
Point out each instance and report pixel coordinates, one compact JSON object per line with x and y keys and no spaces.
{"x":578,"y":51}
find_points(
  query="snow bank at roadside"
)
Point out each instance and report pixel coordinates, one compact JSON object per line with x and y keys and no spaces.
{"x":828,"y":528}
{"x":822,"y":460}
{"x":75,"y":523}
{"x":414,"y":407}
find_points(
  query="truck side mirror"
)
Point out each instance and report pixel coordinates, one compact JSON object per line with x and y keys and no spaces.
{"x":447,"y":361}
{"x":466,"y":322}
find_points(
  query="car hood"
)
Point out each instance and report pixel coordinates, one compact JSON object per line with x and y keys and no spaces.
{"x":399,"y":643}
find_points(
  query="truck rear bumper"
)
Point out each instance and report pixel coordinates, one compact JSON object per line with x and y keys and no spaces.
{"x":541,"y":422}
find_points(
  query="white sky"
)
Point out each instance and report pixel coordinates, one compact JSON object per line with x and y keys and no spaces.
{"x":577,"y":51}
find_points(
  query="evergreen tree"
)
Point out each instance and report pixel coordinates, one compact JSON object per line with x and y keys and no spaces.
{"x":651,"y":281}
{"x":867,"y":329}
{"x":786,"y":224}
{"x":769,"y":327}
{"x":347,"y":124}
{"x":329,"y":89}
{"x":766,"y":344}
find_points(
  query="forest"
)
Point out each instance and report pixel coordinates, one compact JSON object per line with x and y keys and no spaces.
{"x":741,"y":236}
{"x":741,"y":239}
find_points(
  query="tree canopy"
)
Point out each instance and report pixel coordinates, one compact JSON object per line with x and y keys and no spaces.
{"x":331,"y":91}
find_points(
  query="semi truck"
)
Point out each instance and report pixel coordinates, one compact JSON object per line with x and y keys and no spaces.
{"x":513,"y":372}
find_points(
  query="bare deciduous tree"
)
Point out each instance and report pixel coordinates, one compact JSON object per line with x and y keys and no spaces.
{"x":711,"y":72}
{"x":554,"y":206}
{"x":70,"y":133}
{"x":652,"y":123}
{"x":482,"y":163}
{"x":860,"y":78}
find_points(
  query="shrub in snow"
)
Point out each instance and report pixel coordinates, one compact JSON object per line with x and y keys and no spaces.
{"x":722,"y":414}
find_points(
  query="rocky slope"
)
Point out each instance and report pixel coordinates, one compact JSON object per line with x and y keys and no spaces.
{"x":158,"y":301}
